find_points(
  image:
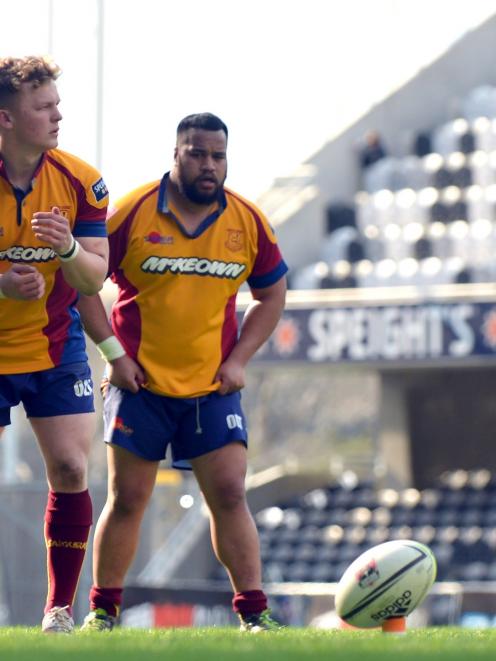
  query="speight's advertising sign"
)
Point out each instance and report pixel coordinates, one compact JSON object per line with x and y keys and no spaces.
{"x":375,"y":334}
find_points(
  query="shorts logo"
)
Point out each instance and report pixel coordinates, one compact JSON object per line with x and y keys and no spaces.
{"x":234,"y":421}
{"x":235,"y":240}
{"x":83,"y":388}
{"x":99,"y":190}
{"x":120,"y":426}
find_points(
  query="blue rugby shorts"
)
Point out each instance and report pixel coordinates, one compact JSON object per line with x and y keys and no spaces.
{"x":60,"y":390}
{"x":146,"y":424}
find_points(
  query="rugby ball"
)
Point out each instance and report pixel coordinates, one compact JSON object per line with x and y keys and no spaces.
{"x":389,"y":580}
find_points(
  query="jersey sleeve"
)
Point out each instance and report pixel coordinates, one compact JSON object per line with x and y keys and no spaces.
{"x":119,"y":222}
{"x":269,"y":266}
{"x":93,"y":201}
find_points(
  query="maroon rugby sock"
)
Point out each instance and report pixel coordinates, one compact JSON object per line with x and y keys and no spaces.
{"x":109,"y":599}
{"x":249,"y":603}
{"x":68,"y":519}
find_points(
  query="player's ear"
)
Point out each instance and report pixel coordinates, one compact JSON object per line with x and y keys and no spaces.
{"x":6,"y":119}
{"x":175,"y":153}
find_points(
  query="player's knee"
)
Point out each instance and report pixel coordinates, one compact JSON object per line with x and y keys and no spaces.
{"x":129,"y":501}
{"x":70,"y":475}
{"x":229,"y":496}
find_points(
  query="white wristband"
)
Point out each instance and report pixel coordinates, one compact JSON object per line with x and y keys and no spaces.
{"x":111,"y":349}
{"x":71,"y":253}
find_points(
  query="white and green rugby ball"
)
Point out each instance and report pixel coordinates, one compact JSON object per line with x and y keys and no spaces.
{"x":388,"y":580}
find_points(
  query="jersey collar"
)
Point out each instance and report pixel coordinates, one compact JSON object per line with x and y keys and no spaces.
{"x":4,"y":175}
{"x":163,"y":207}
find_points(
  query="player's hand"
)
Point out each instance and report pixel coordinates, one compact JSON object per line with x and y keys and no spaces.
{"x":52,"y":228}
{"x":126,"y":374}
{"x":231,"y":376}
{"x":23,"y":282}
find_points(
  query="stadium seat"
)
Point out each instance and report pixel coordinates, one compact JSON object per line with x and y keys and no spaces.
{"x":467,"y":142}
{"x":473,"y":571}
{"x":414,"y":174}
{"x":340,"y":215}
{"x":447,"y":137}
{"x":425,"y":534}
{"x":442,"y":178}
{"x":340,"y":276}
{"x":484,"y":130}
{"x":380,"y":175}
{"x":479,"y":102}
{"x":309,"y":277}
{"x":422,"y":144}
{"x":377,"y":535}
{"x":273,"y":572}
{"x":297,"y":572}
{"x":479,"y":202}
{"x":422,"y":248}
{"x":482,"y":168}
{"x":322,"y":572}
{"x":373,"y":244}
{"x":316,"y":518}
{"x":282,"y":553}
{"x":326,"y":553}
{"x":335,"y":246}
{"x":304,"y":552}
{"x":317,"y":499}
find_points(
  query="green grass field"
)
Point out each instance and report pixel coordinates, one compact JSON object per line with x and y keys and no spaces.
{"x":21,"y":644}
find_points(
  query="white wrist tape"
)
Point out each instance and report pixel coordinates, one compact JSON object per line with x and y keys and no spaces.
{"x":71,"y":253}
{"x":111,"y":349}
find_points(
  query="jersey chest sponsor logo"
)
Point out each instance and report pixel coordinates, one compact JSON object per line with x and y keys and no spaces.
{"x":27,"y":254}
{"x":193,"y":266}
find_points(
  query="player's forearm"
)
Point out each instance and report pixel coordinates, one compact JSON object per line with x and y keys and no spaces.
{"x":259,"y":322}
{"x":85,"y":267}
{"x":94,"y":318}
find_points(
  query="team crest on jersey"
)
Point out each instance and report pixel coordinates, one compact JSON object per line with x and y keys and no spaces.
{"x":99,"y":190}
{"x":235,"y":240}
{"x":64,"y":210}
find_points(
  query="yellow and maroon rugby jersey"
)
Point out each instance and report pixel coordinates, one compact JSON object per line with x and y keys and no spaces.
{"x":37,"y":335}
{"x":175,"y":311}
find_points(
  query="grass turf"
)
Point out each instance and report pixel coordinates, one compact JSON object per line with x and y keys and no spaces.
{"x":217,"y":644}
